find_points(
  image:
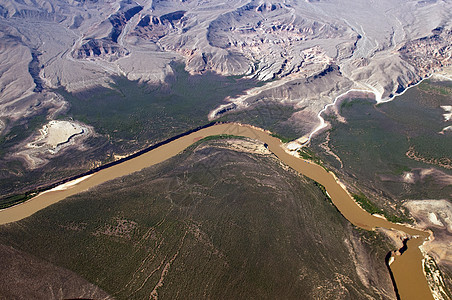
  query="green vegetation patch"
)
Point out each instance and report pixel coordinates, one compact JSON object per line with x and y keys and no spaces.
{"x":127,"y":117}
{"x":348,"y":103}
{"x":365,"y":203}
{"x":428,"y":86}
{"x":378,"y":145}
{"x":399,"y":169}
{"x":16,"y":199}
{"x":371,"y":208}
{"x":133,"y":114}
{"x":308,"y":154}
{"x":281,"y":138}
{"x":19,"y":132}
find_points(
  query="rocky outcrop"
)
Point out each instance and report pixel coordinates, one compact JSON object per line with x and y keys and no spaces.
{"x":119,"y":20}
{"x":267,"y":40}
{"x":430,"y":53}
{"x":153,"y":27}
{"x":273,"y":36}
{"x":108,"y":47}
{"x":103,"y":48}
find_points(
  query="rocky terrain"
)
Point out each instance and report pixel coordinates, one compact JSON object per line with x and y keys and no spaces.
{"x":429,"y":53}
{"x":82,"y":82}
{"x":312,"y":51}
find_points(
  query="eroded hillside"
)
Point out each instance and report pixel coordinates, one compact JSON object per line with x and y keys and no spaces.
{"x":78,"y":45}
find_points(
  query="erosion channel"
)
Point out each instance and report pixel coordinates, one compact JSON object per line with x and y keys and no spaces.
{"x":407,"y":268}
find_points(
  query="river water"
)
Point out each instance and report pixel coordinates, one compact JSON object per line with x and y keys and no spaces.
{"x":407,"y":268}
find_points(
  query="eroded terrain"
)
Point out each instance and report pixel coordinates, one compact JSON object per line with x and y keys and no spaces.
{"x":307,"y":52}
{"x":84,"y":83}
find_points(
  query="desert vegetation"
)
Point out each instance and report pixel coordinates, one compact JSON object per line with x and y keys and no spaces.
{"x":210,"y":222}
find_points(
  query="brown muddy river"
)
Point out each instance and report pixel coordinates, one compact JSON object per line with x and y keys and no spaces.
{"x":407,"y":269}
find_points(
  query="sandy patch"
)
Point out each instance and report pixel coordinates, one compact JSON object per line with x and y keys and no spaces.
{"x":379,"y":216}
{"x":52,"y":138}
{"x":56,"y":133}
{"x":118,"y":157}
{"x":293,"y":146}
{"x":448,"y":115}
{"x":430,"y":213}
{"x":250,"y":147}
{"x":434,"y":219}
{"x":408,"y":177}
{"x":242,"y":146}
{"x":69,"y":184}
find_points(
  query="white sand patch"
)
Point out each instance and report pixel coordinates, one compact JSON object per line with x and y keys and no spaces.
{"x":434,"y":219}
{"x":408,"y":177}
{"x":118,"y":157}
{"x":448,"y":115}
{"x":302,"y":140}
{"x":52,"y":138}
{"x":379,"y":216}
{"x":391,"y":260}
{"x":293,"y":146}
{"x":56,"y":133}
{"x":69,"y":184}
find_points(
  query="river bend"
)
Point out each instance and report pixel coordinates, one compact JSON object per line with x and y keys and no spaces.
{"x":407,"y":269}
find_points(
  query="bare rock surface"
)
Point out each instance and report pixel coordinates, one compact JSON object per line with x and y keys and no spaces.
{"x":431,"y":52}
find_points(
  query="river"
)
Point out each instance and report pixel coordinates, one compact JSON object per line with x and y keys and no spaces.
{"x":407,"y":268}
